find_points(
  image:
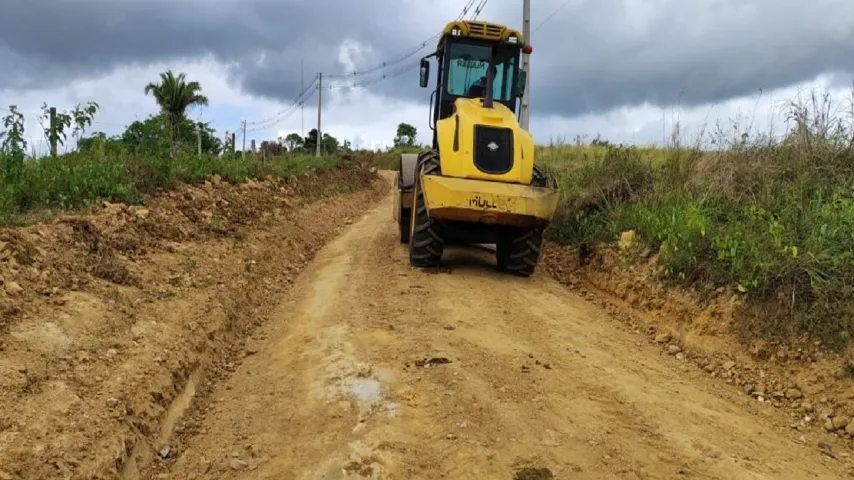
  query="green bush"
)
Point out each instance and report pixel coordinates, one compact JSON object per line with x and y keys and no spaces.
{"x":773,"y":218}
{"x":76,"y":180}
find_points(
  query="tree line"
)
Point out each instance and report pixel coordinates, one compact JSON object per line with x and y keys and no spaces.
{"x":168,"y":130}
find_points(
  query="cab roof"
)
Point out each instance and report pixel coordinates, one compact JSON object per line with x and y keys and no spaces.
{"x":494,"y":32}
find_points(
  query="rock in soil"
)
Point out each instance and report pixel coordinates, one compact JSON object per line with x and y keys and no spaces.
{"x":534,"y":474}
{"x":431,"y":362}
{"x":840,"y":422}
{"x":794,"y":394}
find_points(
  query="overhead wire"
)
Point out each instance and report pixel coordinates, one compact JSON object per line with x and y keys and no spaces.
{"x":258,"y":126}
{"x":405,"y":55}
{"x":296,"y":100}
{"x":390,"y":62}
{"x":551,"y":15}
{"x":301,"y":98}
{"x":479,"y":9}
{"x":372,"y":81}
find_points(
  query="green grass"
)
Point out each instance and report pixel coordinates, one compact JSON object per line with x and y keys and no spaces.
{"x":77,"y":180}
{"x":775,"y":219}
{"x":387,"y":160}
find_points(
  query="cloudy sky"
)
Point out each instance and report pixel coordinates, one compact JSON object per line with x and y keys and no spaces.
{"x":627,"y":70}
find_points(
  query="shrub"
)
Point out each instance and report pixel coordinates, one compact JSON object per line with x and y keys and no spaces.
{"x":773,"y":218}
{"x":76,"y":180}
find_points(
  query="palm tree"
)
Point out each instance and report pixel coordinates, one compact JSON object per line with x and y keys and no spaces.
{"x":174,"y":95}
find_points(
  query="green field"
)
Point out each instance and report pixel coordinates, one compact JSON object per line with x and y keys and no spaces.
{"x":77,"y":180}
{"x":773,"y":218}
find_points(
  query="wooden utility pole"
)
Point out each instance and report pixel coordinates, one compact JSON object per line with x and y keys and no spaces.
{"x":319,"y":107}
{"x":526,"y":64}
{"x":53,"y":136}
{"x":233,"y":145}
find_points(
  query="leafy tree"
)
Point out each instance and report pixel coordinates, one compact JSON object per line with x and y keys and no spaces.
{"x":153,"y":135}
{"x":175,"y":95}
{"x":328,"y":143}
{"x":146,"y":136}
{"x":210,"y":142}
{"x":63,"y":121}
{"x":294,"y":142}
{"x":272,"y":148}
{"x":99,"y":144}
{"x":83,"y":118}
{"x":14,"y":145}
{"x":228,"y":145}
{"x":406,"y":135}
{"x":310,"y":141}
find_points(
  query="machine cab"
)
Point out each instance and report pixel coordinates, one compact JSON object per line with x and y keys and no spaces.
{"x":465,"y":53}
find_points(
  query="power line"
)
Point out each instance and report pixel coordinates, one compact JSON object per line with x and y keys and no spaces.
{"x":409,"y":53}
{"x":284,"y":113}
{"x":308,"y":92}
{"x":465,"y":10}
{"x":479,"y":9}
{"x":551,"y":15}
{"x":372,"y":81}
{"x":392,"y":61}
{"x":296,"y":99}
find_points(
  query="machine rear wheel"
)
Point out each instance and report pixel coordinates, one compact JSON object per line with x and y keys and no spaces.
{"x":426,"y":243}
{"x":518,"y":250}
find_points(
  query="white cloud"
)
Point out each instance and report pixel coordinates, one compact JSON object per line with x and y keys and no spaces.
{"x":368,"y":118}
{"x":764,"y":113}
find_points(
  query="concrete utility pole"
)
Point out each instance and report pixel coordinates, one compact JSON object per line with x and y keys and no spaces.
{"x":319,"y":107}
{"x":243,"y":150}
{"x":526,"y":64}
{"x":199,"y":138}
{"x":302,"y":89}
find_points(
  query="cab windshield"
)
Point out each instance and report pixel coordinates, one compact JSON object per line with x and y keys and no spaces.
{"x":468,"y":68}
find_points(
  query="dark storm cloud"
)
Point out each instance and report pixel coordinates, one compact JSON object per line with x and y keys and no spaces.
{"x":610,"y":53}
{"x":86,"y":37}
{"x":593,"y":55}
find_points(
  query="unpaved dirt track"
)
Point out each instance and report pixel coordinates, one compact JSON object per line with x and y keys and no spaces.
{"x":537,"y":377}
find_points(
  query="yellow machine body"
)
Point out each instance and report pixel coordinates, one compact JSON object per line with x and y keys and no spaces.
{"x":478,"y":184}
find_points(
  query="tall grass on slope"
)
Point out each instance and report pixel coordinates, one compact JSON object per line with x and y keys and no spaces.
{"x":76,"y":180}
{"x":775,"y":218}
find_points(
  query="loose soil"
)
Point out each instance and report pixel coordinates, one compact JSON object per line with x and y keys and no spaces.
{"x":370,"y":369}
{"x":806,"y":384}
{"x":111,"y":319}
{"x":212,"y":335}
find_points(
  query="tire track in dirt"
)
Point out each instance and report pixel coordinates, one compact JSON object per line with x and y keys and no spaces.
{"x":537,"y":377}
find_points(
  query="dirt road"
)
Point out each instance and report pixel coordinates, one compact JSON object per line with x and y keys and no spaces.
{"x":335,"y":386}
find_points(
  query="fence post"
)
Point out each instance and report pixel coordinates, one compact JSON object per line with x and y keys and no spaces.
{"x":53,"y":136}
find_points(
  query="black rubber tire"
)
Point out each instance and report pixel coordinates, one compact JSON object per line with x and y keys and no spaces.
{"x":403,"y":228}
{"x":426,"y":243}
{"x":518,"y":250}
